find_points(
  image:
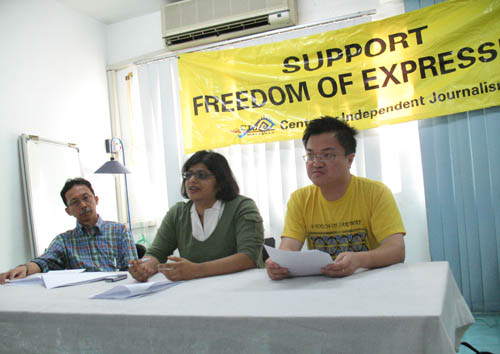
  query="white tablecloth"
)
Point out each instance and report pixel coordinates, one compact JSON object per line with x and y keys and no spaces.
{"x":406,"y":308}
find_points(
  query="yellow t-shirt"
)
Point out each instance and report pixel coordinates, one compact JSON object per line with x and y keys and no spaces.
{"x":358,"y":221}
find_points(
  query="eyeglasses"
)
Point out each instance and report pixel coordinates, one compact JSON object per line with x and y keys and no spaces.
{"x":319,"y":157}
{"x":198,"y":174}
{"x":77,"y":202}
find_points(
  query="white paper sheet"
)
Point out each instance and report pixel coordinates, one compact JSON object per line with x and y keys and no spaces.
{"x":33,"y":279}
{"x":68,"y":279}
{"x":134,"y":290}
{"x":38,"y":278}
{"x":60,"y":278}
{"x":300,"y":263}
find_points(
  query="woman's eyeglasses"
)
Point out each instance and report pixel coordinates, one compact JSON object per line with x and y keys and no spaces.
{"x":198,"y":174}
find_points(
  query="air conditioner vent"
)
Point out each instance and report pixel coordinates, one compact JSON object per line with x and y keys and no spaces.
{"x":190,"y":23}
{"x":218,"y":30}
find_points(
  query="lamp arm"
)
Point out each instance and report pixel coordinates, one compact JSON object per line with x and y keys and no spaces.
{"x":125,"y":175}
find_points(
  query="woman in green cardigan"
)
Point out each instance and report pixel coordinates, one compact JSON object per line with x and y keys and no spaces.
{"x":218,"y":231}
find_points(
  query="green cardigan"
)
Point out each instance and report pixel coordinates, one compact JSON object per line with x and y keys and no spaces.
{"x":240,"y":229}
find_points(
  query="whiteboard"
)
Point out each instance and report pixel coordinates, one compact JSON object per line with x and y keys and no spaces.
{"x":46,"y":165}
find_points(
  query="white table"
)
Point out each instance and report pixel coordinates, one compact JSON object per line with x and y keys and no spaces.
{"x":406,"y":308}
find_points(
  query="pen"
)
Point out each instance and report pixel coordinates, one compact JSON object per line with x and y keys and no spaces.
{"x":142,"y":260}
{"x":117,"y":277}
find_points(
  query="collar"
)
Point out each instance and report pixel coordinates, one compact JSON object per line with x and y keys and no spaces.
{"x":217,"y":206}
{"x":96,"y":229}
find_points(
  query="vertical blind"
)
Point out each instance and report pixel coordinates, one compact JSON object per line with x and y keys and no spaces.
{"x":461,"y":165}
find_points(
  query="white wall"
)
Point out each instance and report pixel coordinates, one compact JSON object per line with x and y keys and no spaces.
{"x":134,"y":38}
{"x":142,"y":35}
{"x":52,"y":84}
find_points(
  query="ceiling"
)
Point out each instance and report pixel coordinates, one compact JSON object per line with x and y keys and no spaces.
{"x":112,"y":11}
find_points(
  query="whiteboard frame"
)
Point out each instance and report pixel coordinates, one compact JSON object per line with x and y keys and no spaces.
{"x":23,"y":141}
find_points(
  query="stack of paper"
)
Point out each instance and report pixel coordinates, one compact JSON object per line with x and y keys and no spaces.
{"x":134,"y":290}
{"x":55,"y":281}
{"x":59,"y":278}
{"x":33,"y":279}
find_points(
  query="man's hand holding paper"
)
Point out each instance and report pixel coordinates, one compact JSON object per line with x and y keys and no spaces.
{"x":300,"y":263}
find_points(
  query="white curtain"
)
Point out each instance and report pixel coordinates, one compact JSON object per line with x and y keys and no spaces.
{"x":140,"y":127}
{"x":268,"y":173}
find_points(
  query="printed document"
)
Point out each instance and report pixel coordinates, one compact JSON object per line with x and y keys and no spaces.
{"x":300,"y":263}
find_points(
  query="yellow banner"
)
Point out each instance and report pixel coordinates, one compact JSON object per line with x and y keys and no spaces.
{"x":438,"y":60}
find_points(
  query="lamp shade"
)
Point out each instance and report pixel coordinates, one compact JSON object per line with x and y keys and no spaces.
{"x":112,"y":167}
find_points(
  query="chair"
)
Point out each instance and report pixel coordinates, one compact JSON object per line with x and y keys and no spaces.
{"x":270,"y":241}
{"x":474,"y":349}
{"x":141,"y":250}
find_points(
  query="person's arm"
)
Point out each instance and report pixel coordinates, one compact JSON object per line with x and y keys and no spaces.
{"x":19,"y":272}
{"x":163,"y":245}
{"x":182,"y":269}
{"x":128,"y":251}
{"x":249,"y":231}
{"x":165,"y":242}
{"x":54,"y":256}
{"x":390,"y":251}
{"x":274,"y":271}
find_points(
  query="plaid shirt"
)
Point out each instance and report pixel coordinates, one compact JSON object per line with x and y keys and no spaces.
{"x":106,"y":247}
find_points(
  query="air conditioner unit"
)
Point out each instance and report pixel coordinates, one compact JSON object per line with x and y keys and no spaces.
{"x":191,"y":23}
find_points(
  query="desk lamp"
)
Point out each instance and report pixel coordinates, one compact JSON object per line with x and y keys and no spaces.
{"x":115,"y":167}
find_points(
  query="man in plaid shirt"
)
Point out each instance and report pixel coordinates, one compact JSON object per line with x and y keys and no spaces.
{"x":94,"y":244}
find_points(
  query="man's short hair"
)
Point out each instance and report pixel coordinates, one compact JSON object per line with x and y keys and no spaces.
{"x":227,"y":187}
{"x":345,"y":134}
{"x":70,"y":183}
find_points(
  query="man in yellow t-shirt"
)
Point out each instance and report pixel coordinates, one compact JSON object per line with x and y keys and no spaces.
{"x":354,"y":219}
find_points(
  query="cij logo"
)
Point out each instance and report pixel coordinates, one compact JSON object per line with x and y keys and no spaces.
{"x":262,"y":126}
